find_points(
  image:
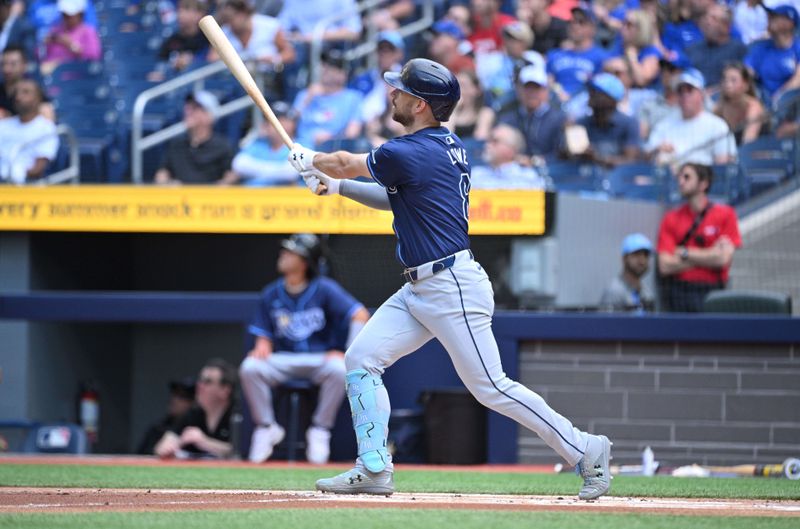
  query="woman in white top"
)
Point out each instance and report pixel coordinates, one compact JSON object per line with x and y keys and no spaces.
{"x":255,"y":36}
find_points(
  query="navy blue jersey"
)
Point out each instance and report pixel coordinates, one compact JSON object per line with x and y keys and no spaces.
{"x":427,"y":177}
{"x":313,"y":321}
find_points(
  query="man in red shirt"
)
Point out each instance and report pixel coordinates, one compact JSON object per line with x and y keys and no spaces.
{"x":487,"y":25}
{"x":696,"y":243}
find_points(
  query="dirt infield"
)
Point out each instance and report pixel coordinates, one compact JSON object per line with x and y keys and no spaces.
{"x":62,"y":500}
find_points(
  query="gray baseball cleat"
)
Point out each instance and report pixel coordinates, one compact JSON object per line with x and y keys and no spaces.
{"x":593,"y":468}
{"x":359,"y":480}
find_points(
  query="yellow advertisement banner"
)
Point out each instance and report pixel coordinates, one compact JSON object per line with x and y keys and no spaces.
{"x":202,"y":209}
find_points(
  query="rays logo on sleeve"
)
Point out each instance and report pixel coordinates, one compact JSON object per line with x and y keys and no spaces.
{"x":299,"y":325}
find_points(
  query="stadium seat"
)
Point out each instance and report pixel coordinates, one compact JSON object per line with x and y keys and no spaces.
{"x":748,"y":301}
{"x":727,"y":186}
{"x":642,"y":181}
{"x":56,"y":438}
{"x":575,"y":176}
{"x":766,"y":162}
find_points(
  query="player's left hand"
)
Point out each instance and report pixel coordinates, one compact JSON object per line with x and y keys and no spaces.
{"x":319,"y":183}
{"x":301,"y":158}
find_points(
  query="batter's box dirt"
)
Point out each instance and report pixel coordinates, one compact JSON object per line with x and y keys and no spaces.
{"x":59,"y":500}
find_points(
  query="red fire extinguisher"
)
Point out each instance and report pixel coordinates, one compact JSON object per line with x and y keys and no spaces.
{"x":89,"y":412}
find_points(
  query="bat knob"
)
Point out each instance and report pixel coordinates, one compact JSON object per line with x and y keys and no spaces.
{"x":791,"y":468}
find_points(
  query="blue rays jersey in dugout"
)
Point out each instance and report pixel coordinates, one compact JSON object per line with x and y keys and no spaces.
{"x":316,"y":320}
{"x":427,"y":177}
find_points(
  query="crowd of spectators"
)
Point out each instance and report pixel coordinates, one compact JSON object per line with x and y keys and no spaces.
{"x":669,"y":81}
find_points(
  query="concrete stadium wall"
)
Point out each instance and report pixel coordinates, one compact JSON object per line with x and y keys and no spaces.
{"x":716,"y":404}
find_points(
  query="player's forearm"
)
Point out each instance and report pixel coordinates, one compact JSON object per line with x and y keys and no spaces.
{"x":367,"y":193}
{"x":341,"y":164}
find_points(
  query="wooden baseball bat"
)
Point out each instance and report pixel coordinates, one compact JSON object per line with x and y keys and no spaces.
{"x":235,"y":64}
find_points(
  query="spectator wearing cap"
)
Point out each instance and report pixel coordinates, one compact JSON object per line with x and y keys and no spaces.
{"x":445,"y":47}
{"x":613,"y":137}
{"x":181,"y":398}
{"x":328,"y":109}
{"x":503,"y":170}
{"x":636,"y":46}
{"x":717,"y":48}
{"x":487,"y":25}
{"x":255,"y":36}
{"x":28,"y":141}
{"x":44,"y":15}
{"x":627,"y":291}
{"x":540,"y":123}
{"x":571,"y":68}
{"x":391,"y":48}
{"x":200,"y":156}
{"x":263,"y":161}
{"x":496,"y":70}
{"x":666,"y":101}
{"x":72,"y":39}
{"x":187,"y":43}
{"x":15,"y":29}
{"x":776,"y":61}
{"x":695,"y":135}
{"x":550,"y":31}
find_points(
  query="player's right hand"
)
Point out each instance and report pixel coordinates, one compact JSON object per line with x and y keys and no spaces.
{"x":319,"y":183}
{"x":301,"y":158}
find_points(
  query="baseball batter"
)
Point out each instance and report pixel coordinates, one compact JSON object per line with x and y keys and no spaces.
{"x":298,"y":334}
{"x":424,"y":178}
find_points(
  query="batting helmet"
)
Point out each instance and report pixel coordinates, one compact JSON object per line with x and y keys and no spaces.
{"x":429,"y":81}
{"x":307,"y":246}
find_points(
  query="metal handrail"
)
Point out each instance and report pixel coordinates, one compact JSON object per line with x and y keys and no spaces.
{"x":73,"y":171}
{"x":140,"y":143}
{"x":371,"y":44}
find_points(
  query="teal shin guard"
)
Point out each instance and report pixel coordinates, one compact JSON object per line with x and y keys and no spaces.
{"x":370,"y":422}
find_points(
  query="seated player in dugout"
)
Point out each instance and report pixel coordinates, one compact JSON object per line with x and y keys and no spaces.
{"x":205,"y":430}
{"x":297,"y":328}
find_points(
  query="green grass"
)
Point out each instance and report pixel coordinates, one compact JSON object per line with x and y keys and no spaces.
{"x":406,"y":481}
{"x":383,"y":519}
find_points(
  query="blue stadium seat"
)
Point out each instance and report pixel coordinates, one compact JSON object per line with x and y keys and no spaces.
{"x":727,"y":186}
{"x":568,"y":175}
{"x":766,"y":162}
{"x":642,"y":181}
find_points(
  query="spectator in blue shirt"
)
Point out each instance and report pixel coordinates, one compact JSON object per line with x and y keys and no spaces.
{"x":391,"y":49}
{"x":614,"y":137}
{"x":571,"y":68}
{"x":262,"y":162}
{"x":541,"y":124}
{"x":775,"y":60}
{"x":328,"y":110}
{"x":636,"y":46}
{"x":718,"y":48}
